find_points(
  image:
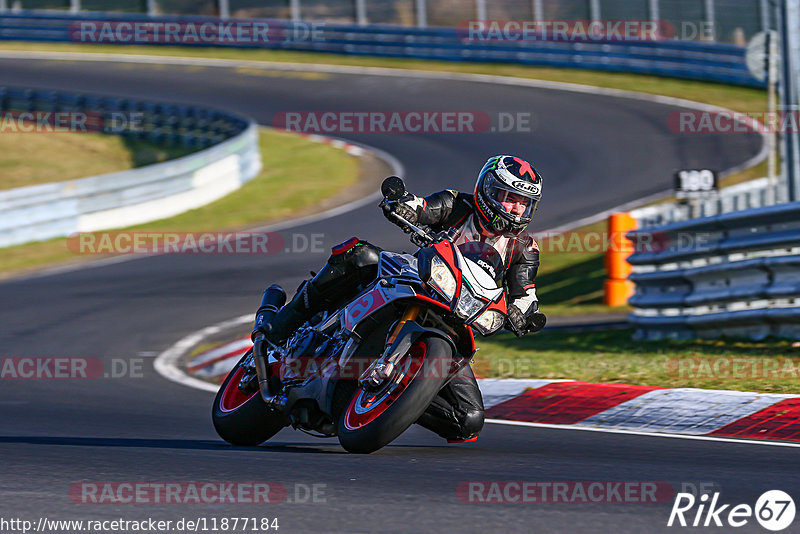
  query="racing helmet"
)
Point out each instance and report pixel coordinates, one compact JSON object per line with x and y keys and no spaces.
{"x":507,"y":181}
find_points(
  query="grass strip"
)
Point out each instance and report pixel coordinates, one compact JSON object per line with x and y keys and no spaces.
{"x":275,"y":193}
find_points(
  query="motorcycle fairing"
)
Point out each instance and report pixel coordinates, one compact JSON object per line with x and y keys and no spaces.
{"x":371,"y":301}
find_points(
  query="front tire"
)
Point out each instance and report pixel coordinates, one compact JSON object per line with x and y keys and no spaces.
{"x":365,"y":427}
{"x":242,"y":419}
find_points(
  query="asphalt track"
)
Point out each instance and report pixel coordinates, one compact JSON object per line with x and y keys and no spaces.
{"x":596,"y":152}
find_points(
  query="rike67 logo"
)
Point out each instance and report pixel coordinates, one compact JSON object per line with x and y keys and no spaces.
{"x":774,"y":510}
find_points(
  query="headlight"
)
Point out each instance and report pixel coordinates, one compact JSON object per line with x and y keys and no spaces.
{"x":442,"y":279}
{"x":468,"y":305}
{"x":490,"y":321}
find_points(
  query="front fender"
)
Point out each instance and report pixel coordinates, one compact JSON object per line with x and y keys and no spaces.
{"x":410,"y":333}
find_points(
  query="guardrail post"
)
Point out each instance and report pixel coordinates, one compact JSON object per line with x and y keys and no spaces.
{"x":74,"y":6}
{"x":480,"y":9}
{"x":765,"y":15}
{"x":151,"y":7}
{"x":361,"y":12}
{"x":594,"y":9}
{"x":224,"y":9}
{"x":422,"y":13}
{"x":790,"y":54}
{"x":710,"y":19}
{"x":617,"y":288}
{"x":294,"y":9}
{"x":653,"y":10}
{"x":537,"y":7}
{"x":3,"y":6}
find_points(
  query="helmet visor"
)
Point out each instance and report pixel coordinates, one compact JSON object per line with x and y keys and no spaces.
{"x":508,"y":200}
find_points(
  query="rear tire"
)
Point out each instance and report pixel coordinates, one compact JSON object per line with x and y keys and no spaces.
{"x":394,"y":418}
{"x":240,"y":419}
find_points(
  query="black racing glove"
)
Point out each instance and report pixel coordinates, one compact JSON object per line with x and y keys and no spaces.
{"x":517,"y":322}
{"x":402,"y":208}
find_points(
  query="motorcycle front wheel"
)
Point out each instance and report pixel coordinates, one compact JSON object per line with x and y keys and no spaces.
{"x":374,"y":419}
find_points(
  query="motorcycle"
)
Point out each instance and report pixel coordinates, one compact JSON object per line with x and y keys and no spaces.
{"x":367,"y":371}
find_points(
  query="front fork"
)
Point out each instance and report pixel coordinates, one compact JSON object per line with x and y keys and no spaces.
{"x":382,"y":369}
{"x":403,"y":336}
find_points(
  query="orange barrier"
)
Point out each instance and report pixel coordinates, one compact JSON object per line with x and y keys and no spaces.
{"x":618,"y":289}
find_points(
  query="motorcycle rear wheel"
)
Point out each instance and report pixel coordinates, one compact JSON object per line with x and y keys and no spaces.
{"x":242,"y":419}
{"x":372,"y":421}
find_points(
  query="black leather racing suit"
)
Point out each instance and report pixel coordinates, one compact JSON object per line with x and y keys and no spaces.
{"x":457,"y":411}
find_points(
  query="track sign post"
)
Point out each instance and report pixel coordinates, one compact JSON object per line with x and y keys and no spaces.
{"x":695,"y":185}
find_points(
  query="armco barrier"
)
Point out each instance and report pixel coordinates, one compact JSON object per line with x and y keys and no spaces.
{"x":682,"y":59}
{"x":736,"y":274}
{"x":58,"y":209}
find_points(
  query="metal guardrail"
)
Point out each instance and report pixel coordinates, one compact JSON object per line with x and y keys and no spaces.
{"x":716,"y":62}
{"x":718,"y":20}
{"x":735,"y":274}
{"x":59,"y":209}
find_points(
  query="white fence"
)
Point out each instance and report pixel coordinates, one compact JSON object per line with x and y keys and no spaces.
{"x":136,"y":196}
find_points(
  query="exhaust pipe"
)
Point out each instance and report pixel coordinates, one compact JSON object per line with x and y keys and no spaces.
{"x":274,"y":298}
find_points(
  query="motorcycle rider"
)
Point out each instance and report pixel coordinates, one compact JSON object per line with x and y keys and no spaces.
{"x":506,"y":195}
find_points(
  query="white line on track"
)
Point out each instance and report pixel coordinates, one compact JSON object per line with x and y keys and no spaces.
{"x":642,"y":433}
{"x":167,"y":363}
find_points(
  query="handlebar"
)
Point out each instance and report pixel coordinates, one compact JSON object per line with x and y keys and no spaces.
{"x":394,"y":189}
{"x":419,"y":236}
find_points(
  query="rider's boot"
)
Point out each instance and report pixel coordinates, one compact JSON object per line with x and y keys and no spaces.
{"x":352,"y":264}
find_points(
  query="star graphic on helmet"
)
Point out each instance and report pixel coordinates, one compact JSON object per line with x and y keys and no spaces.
{"x":525,"y":167}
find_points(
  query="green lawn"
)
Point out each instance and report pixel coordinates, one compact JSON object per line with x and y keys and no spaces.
{"x":273,"y":194}
{"x":29,"y":159}
{"x":771,"y":366}
{"x":572,"y":272}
